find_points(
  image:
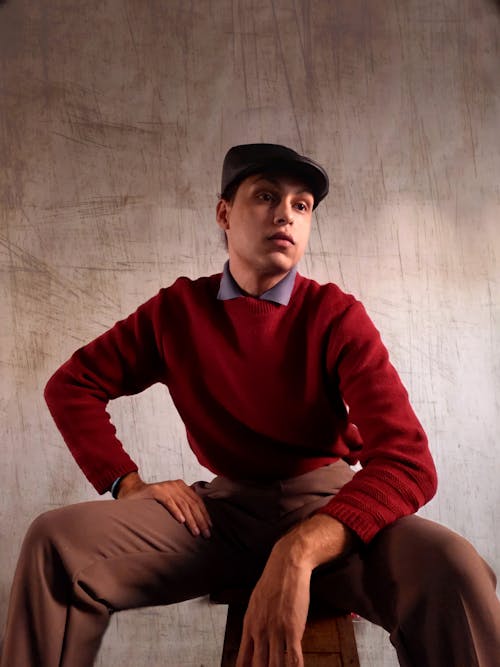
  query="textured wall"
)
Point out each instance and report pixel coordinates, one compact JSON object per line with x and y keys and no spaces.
{"x":114,"y":118}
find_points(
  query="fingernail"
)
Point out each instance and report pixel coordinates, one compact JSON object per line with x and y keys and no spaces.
{"x":206,"y":533}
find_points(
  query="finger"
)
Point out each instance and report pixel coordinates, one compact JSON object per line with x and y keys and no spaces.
{"x":165,"y":494}
{"x":285,"y":650}
{"x":179,"y":489}
{"x":170,"y":504}
{"x":293,"y":655}
{"x":200,"y":503}
{"x":195,"y":511}
{"x":277,"y":652}
{"x":260,"y":653}
{"x":191,"y":523}
{"x":201,"y":520}
{"x":245,"y":652}
{"x":174,"y":497}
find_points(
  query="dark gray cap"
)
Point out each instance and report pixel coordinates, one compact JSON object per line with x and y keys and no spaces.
{"x":247,"y":159}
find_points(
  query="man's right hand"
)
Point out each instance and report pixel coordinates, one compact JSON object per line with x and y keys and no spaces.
{"x":176,"y":496}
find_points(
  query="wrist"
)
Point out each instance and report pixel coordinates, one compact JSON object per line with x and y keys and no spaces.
{"x":314,"y":541}
{"x":128,"y":483}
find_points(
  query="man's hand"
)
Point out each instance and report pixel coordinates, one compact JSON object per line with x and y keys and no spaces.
{"x":277,"y":612}
{"x":276,"y":617}
{"x":176,"y":496}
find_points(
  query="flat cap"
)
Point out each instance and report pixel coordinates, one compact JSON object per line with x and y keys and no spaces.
{"x":247,"y":159}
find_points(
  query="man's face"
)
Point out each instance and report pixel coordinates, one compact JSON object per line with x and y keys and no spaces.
{"x":267,"y":224}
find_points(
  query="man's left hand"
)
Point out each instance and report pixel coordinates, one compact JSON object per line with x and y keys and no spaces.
{"x":277,"y":612}
{"x":276,"y":616}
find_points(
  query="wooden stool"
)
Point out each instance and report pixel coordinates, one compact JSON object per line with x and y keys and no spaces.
{"x":328,"y":640}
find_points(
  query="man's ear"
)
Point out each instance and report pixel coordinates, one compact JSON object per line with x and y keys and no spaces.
{"x":222,"y":213}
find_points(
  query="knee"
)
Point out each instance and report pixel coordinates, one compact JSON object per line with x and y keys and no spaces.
{"x":57,"y":529}
{"x":43,"y":529}
{"x":453,"y":563}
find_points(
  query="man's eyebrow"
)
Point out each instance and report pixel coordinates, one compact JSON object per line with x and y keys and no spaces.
{"x":277,"y":184}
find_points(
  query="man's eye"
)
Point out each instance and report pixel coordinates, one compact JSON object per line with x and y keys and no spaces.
{"x":266,"y":196}
{"x":301,"y":206}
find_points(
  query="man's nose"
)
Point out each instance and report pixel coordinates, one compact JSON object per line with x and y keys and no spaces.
{"x":283,"y":213}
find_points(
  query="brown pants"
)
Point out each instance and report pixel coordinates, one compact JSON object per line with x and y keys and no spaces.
{"x":424,"y":584}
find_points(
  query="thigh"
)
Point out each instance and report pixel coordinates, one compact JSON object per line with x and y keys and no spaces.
{"x":406,"y":562}
{"x":132,"y":553}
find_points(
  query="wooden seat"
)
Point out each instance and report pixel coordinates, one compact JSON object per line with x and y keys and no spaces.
{"x":328,"y":639}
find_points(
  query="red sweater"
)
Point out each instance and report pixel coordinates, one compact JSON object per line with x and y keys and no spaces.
{"x":262,"y":390}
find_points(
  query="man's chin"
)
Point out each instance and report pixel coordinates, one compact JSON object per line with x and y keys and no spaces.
{"x":278,"y":269}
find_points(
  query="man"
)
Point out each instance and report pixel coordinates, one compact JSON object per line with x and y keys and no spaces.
{"x":280,"y":382}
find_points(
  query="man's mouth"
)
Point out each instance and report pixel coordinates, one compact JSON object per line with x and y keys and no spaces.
{"x":281,"y":236}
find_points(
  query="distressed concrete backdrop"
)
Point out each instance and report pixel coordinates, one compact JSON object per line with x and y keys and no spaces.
{"x":114,"y":118}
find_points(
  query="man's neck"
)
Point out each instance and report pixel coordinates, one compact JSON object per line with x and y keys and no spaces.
{"x":254,"y":283}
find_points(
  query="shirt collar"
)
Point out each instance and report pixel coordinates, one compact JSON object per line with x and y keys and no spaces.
{"x":280,"y":293}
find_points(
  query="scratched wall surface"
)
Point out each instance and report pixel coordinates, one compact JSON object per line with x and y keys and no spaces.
{"x":114,"y":119}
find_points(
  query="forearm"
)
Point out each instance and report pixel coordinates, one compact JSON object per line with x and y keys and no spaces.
{"x":314,"y":541}
{"x":398,"y":475}
{"x":277,"y":611}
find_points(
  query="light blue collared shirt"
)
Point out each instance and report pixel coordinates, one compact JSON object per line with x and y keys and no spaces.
{"x":280,"y":293}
